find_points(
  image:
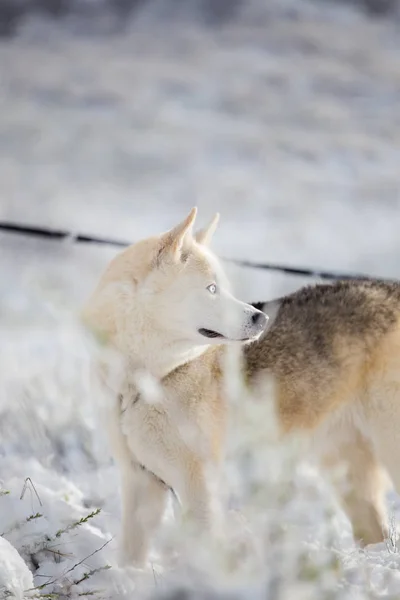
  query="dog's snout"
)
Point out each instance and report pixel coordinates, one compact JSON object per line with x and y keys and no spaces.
{"x":259,"y":318}
{"x":255,"y":317}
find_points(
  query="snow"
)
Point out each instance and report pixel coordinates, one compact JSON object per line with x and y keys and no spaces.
{"x":15,"y":577}
{"x":286,"y":121}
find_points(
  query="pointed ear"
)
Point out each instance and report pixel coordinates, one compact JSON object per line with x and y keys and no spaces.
{"x":204,"y":235}
{"x":174,"y":240}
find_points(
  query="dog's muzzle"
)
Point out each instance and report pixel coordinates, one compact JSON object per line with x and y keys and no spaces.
{"x":259,"y":319}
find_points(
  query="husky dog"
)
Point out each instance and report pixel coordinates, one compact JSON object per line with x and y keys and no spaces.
{"x":165,"y":308}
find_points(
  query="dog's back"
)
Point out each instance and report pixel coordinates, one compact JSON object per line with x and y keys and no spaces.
{"x":323,"y":344}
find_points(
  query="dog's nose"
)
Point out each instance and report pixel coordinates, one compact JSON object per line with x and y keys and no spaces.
{"x":259,"y":318}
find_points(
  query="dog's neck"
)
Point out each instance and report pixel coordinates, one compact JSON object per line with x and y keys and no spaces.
{"x":161,"y":358}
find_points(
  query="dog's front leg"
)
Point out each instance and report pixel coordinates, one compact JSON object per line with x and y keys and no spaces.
{"x":200,"y":498}
{"x":154,"y":443}
{"x":143,"y":503}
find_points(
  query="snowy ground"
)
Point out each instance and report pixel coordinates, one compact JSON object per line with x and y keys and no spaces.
{"x":288,"y":123}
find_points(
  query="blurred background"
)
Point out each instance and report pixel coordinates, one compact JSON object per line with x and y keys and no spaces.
{"x":117,"y":116}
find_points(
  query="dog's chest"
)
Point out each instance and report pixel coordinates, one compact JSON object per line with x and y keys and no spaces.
{"x":180,"y":416}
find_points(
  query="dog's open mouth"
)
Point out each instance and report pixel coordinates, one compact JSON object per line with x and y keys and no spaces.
{"x":209,"y":333}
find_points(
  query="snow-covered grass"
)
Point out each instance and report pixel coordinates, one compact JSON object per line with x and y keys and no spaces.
{"x":287,"y":122}
{"x":59,"y":504}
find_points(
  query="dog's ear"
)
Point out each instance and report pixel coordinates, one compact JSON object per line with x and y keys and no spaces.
{"x":204,"y":235}
{"x":174,"y":241}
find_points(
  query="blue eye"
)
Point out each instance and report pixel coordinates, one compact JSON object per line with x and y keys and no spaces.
{"x":212,"y":288}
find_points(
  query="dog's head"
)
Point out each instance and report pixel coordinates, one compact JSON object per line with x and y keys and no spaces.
{"x":173,"y":285}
